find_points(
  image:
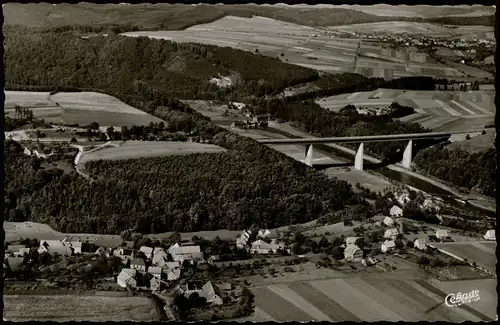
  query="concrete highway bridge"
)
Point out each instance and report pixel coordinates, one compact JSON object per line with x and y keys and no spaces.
{"x":358,"y":161}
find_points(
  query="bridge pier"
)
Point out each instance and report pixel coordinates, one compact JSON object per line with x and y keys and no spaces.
{"x":408,"y":155}
{"x":358,"y":160}
{"x":309,"y":155}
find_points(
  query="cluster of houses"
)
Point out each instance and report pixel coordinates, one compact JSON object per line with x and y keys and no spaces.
{"x":159,"y":265}
{"x":260,"y":246}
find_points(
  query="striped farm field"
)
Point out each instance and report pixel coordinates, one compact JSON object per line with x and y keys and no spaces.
{"x":77,"y":107}
{"x":363,"y":299}
{"x":445,"y":111}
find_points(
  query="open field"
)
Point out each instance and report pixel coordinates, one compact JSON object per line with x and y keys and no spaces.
{"x":77,"y":308}
{"x":353,"y":176}
{"x":445,"y":111}
{"x":144,"y":149}
{"x":483,"y":253}
{"x":382,"y":299}
{"x":77,"y":107}
{"x":311,"y":47}
{"x":421,"y":11}
{"x":477,"y":143}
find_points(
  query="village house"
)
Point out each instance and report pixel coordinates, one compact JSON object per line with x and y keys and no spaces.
{"x":189,"y":288}
{"x":351,"y":240}
{"x":63,"y":247}
{"x":388,"y":221}
{"x":127,"y":278}
{"x":429,"y":204}
{"x":212,"y":294}
{"x":261,"y":247}
{"x":154,"y":284}
{"x":388,"y":246}
{"x":138,"y":264}
{"x":396,"y":211}
{"x":185,"y":253}
{"x":159,"y":258}
{"x":490,"y":235}
{"x":124,"y":254}
{"x":244,"y":239}
{"x":155,"y":271}
{"x":391,"y":234}
{"x":172,"y":274}
{"x":148,"y":251}
{"x":353,"y":253}
{"x":213,"y":258}
{"x":420,"y":243}
{"x":442,"y":234}
{"x":263,"y":233}
{"x":14,"y":264}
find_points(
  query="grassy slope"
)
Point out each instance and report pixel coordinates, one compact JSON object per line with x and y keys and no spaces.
{"x":475,"y":144}
{"x":177,"y":16}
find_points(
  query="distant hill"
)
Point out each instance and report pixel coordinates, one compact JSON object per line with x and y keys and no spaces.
{"x":180,"y":16}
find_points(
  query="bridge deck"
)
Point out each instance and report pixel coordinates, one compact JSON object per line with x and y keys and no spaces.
{"x":359,"y":139}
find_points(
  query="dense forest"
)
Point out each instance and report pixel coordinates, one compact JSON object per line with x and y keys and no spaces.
{"x":473,"y":171}
{"x":184,"y":193}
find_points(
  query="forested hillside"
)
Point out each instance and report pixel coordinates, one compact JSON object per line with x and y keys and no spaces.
{"x":473,"y":171}
{"x":231,"y":190}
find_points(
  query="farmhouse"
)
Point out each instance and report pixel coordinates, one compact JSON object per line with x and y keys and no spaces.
{"x":490,"y":235}
{"x":124,"y":254}
{"x":261,"y":247}
{"x":353,"y":253}
{"x":138,"y":264}
{"x":388,"y":221}
{"x":185,"y":253}
{"x":351,"y":240}
{"x":420,"y":243}
{"x":263,"y":233}
{"x":155,"y":271}
{"x":148,"y":251}
{"x":243,"y":241}
{"x":212,"y":294}
{"x":154,"y":284}
{"x":396,"y":211}
{"x":442,"y":234}
{"x":127,"y":278}
{"x":159,"y":258}
{"x":14,"y":263}
{"x":388,"y":246}
{"x":391,"y":233}
{"x":172,"y":274}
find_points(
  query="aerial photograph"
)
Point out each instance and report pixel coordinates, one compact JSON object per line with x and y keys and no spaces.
{"x":244,"y":162}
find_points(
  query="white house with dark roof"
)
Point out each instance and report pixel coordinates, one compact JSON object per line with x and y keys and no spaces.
{"x":159,"y":258}
{"x":243,"y":241}
{"x":396,"y":211}
{"x":263,"y":233}
{"x":148,"y":251}
{"x":388,"y":246}
{"x":490,"y":235}
{"x":420,"y":243}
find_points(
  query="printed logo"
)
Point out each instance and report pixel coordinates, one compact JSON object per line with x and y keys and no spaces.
{"x":459,"y":299}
